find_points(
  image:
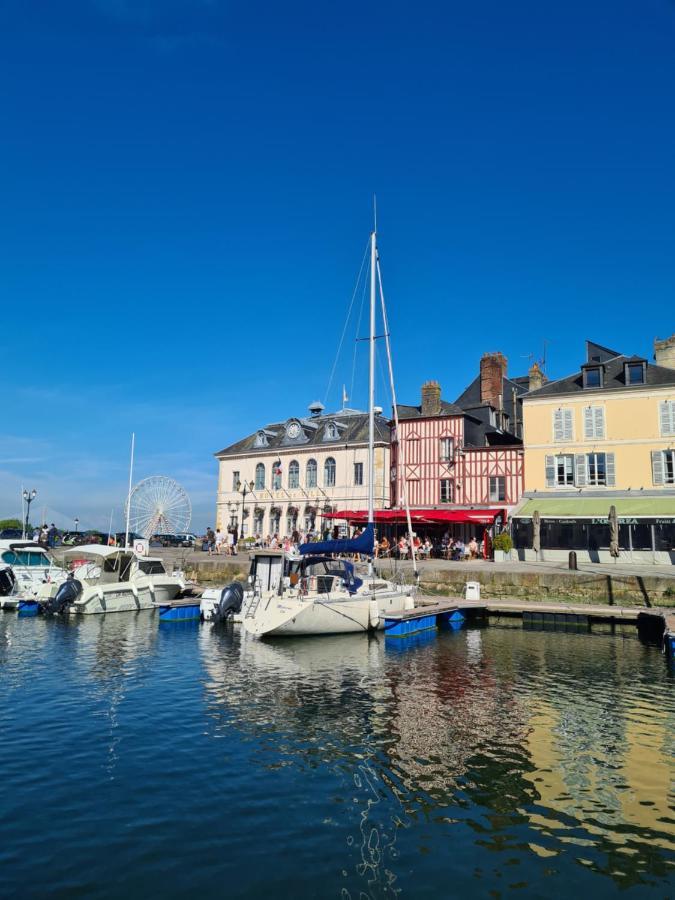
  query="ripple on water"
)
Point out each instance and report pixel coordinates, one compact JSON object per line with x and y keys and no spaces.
{"x":140,"y":760}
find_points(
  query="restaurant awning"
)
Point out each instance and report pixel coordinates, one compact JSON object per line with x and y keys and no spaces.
{"x":421,"y":516}
{"x":598,"y":507}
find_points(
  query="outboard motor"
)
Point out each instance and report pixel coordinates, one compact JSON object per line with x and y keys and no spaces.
{"x":67,"y":593}
{"x":231,"y":598}
{"x":7,"y":581}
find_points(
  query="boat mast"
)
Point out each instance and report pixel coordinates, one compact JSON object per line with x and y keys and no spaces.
{"x":131,"y":472}
{"x":371,"y":389}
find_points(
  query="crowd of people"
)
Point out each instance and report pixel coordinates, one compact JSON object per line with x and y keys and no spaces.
{"x":448,"y":548}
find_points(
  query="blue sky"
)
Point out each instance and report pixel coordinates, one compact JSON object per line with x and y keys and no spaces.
{"x":186,"y":196}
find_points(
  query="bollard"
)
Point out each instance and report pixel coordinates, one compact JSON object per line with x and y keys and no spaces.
{"x":572,"y":564}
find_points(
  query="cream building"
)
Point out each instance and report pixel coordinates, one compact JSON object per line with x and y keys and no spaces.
{"x":603,"y":436}
{"x":283,"y":476}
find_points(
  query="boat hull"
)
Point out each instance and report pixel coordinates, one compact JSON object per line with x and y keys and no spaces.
{"x":125,"y":598}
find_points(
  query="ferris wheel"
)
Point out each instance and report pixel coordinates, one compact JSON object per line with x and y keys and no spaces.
{"x":159,"y":505}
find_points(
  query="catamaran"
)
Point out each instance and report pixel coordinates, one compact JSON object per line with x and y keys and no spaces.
{"x":315,"y":593}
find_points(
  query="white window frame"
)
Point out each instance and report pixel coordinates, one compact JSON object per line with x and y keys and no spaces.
{"x":449,"y":491}
{"x":313,"y":480}
{"x":260,"y":469}
{"x":666,"y":454}
{"x":592,"y":470}
{"x":498,"y":480}
{"x":358,"y":469}
{"x":568,"y":469}
{"x":235,"y":479}
{"x":447,"y":448}
{"x":293,"y":474}
{"x":326,"y":468}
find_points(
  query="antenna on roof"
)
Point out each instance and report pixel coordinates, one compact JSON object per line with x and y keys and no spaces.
{"x":543,"y":358}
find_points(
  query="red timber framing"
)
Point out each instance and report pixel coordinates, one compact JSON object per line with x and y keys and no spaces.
{"x":468,"y":469}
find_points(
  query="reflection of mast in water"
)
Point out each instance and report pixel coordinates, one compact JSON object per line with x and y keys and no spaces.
{"x":113,"y":649}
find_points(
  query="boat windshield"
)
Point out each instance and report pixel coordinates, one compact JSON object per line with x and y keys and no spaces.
{"x":26,"y":558}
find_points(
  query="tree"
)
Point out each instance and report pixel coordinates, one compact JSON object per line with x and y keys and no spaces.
{"x":11,"y":523}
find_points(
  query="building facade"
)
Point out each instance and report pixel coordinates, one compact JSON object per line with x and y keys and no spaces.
{"x":600,"y":437}
{"x":284,"y":476}
{"x":465,"y":456}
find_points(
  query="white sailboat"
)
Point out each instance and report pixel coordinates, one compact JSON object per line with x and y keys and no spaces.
{"x":316,"y":593}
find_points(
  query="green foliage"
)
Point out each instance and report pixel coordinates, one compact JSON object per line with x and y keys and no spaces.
{"x":503,"y":542}
{"x":11,"y":523}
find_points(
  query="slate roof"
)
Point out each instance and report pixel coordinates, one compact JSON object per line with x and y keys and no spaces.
{"x":352,"y":429}
{"x":470,"y":398}
{"x":613,"y":379}
{"x":415,"y":412}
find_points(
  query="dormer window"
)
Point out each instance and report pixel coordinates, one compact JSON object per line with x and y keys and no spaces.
{"x":261,"y":439}
{"x":635,"y":373}
{"x":330,"y":432}
{"x":593,"y":376}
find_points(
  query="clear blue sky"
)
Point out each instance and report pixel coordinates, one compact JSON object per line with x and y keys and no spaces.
{"x":186,"y":195}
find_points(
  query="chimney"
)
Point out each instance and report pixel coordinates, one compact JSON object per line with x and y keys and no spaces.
{"x":536,"y":377}
{"x":431,"y":398}
{"x":492,"y":373}
{"x":664,"y":352}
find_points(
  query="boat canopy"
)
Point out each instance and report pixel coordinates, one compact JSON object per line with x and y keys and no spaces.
{"x":364,"y":543}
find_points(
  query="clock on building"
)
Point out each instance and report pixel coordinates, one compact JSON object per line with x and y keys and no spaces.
{"x":293,"y":430}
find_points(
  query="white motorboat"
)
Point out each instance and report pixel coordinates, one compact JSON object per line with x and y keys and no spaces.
{"x":25,"y":567}
{"x":110,"y":579}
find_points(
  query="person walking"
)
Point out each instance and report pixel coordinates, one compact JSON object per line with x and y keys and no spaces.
{"x":210,"y":540}
{"x":52,"y":535}
{"x":219,"y":541}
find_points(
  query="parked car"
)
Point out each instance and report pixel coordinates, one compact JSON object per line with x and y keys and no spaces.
{"x":133,"y":536}
{"x":188,"y":540}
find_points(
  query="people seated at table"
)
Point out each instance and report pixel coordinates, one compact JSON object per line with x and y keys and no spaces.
{"x":402,"y":548}
{"x":383,"y":547}
{"x":473,"y":548}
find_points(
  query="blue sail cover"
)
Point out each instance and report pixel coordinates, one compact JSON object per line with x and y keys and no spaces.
{"x":364,"y":543}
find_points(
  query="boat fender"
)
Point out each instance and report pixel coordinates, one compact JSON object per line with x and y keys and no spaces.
{"x":373,"y":613}
{"x":67,"y":594}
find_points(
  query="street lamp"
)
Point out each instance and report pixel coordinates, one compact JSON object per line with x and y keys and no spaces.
{"x":28,"y":497}
{"x":77,"y":522}
{"x":244,"y":488}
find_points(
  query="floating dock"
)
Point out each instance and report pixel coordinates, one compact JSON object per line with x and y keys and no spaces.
{"x":452,"y":613}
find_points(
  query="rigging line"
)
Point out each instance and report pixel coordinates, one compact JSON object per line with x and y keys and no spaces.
{"x":356,"y":343}
{"x":344,"y":330}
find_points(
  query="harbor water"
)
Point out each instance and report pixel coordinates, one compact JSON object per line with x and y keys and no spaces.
{"x":141,"y":760}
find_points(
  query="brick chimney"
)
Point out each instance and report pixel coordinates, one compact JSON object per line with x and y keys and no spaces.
{"x":492,"y":371}
{"x":664,"y":352}
{"x":431,"y":398}
{"x":536,"y":377}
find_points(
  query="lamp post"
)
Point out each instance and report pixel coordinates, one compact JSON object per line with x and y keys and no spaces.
{"x":244,"y":488}
{"x":77,"y":522}
{"x":28,"y":497}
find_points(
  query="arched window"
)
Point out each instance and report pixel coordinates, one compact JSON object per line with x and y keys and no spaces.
{"x":260,"y":477}
{"x":329,"y":472}
{"x":293,"y":474}
{"x":310,"y":480}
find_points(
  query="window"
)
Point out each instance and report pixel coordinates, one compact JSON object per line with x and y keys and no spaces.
{"x":293,"y":474}
{"x":597,"y":469}
{"x":235,"y":481}
{"x":260,"y":477}
{"x":562,"y":425}
{"x":358,"y":473}
{"x":261,"y":439}
{"x":667,"y":416}
{"x":330,"y":432}
{"x":497,"y":487}
{"x":276,"y":475}
{"x":446,"y":449}
{"x":329,"y":472}
{"x":258,"y":519}
{"x":275,"y":520}
{"x":635,"y":373}
{"x":663,"y":466}
{"x":291,"y":520}
{"x":594,"y":422}
{"x":564,"y":470}
{"x":593,"y":377}
{"x":310,"y":475}
{"x":446,"y":490}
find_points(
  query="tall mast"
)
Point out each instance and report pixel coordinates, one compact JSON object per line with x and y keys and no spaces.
{"x":131,"y":472}
{"x":371,"y":389}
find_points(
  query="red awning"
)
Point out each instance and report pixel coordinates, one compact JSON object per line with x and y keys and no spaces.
{"x":420,"y":516}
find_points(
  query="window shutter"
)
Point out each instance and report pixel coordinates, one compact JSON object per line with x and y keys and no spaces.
{"x":550,"y":471}
{"x":579,"y":469}
{"x":589,"y":422}
{"x":558,"y":425}
{"x":567,"y":424}
{"x":599,"y":422}
{"x":610,"y":469}
{"x":657,"y":466}
{"x":667,"y":415}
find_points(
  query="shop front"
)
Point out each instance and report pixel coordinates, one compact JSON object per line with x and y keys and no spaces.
{"x":646,"y":529}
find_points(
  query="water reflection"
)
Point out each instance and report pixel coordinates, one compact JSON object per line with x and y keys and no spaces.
{"x":545,"y":747}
